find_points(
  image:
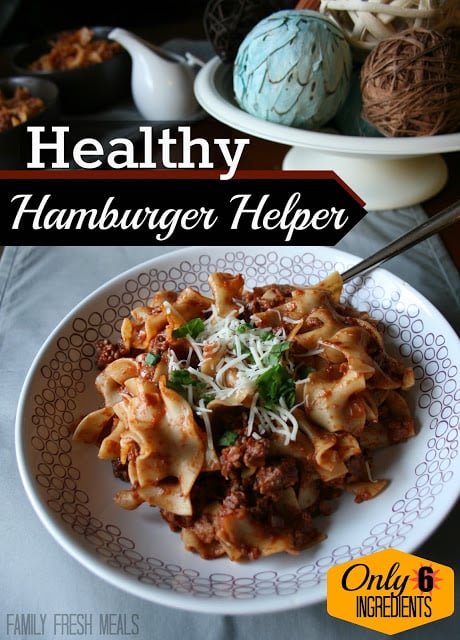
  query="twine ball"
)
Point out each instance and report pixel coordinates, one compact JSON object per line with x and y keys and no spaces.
{"x":293,"y":68}
{"x":410,"y":84}
{"x":227,"y":22}
{"x":367,"y":22}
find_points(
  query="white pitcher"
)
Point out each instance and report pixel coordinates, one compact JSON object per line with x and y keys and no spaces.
{"x":161,"y":81}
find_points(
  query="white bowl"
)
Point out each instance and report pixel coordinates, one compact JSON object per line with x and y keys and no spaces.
{"x":72,"y":490}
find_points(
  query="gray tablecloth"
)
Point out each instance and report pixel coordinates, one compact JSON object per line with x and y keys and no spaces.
{"x":38,"y":287}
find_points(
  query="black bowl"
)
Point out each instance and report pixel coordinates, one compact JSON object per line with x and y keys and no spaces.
{"x":83,"y":89}
{"x":15,"y":142}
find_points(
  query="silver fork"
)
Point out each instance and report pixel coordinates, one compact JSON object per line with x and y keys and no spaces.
{"x":441,"y":220}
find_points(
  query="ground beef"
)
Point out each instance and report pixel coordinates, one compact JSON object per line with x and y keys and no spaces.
{"x":159,"y":343}
{"x":256,"y":452}
{"x":264,"y":298}
{"x":251,"y":486}
{"x":400,"y":429}
{"x":204,"y":528}
{"x":234,"y":500}
{"x":275,"y":478}
{"x":231,"y":459}
{"x":246,"y":452}
{"x":209,"y":487}
{"x":175,"y":522}
{"x":303,"y":532}
{"x":120,"y":470}
{"x":107,"y":352}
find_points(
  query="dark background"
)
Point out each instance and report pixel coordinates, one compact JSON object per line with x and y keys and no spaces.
{"x":25,"y":20}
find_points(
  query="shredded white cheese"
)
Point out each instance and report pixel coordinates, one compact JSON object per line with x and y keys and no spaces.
{"x":241,"y":351}
{"x":369,"y":474}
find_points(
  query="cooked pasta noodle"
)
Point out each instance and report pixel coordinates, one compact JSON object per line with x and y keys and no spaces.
{"x":243,"y":415}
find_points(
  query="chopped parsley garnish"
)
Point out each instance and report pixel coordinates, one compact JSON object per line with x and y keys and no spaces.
{"x":245,"y":326}
{"x":274,"y":384}
{"x":266,"y":335}
{"x":207,"y":398}
{"x":273,"y":358}
{"x":228,"y":438}
{"x":192,"y":328}
{"x":181,"y":378}
{"x":152,"y":358}
{"x":304,"y":371}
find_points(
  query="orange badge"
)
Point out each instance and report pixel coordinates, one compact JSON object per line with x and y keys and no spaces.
{"x":390,"y":591}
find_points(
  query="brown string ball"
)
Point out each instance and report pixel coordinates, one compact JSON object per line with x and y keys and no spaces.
{"x":227,"y":22}
{"x":410,"y":84}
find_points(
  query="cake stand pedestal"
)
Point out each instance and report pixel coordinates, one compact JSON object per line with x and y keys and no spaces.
{"x":386,"y":173}
{"x":383,"y":183}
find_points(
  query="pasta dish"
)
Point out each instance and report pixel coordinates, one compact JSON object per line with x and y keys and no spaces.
{"x":18,"y":108}
{"x":75,"y":49}
{"x":244,"y":415}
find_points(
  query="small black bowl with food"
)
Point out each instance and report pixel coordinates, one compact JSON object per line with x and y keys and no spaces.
{"x":24,"y":101}
{"x":91,"y":71}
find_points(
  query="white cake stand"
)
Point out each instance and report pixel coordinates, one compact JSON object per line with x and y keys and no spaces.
{"x":387,"y":173}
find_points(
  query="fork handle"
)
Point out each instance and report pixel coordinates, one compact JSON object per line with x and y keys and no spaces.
{"x":441,"y":220}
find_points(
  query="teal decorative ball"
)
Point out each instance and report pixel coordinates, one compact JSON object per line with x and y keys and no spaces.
{"x":293,"y":68}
